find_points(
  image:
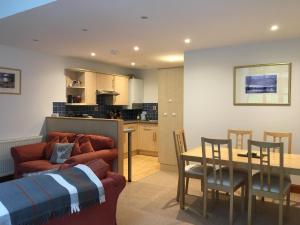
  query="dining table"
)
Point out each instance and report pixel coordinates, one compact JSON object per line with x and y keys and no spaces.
{"x":239,"y":161}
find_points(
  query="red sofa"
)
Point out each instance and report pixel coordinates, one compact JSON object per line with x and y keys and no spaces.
{"x":103,"y":214}
{"x":31,"y":158}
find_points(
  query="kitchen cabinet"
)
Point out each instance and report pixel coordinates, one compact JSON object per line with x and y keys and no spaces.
{"x":105,"y":82}
{"x":134,"y":137}
{"x":148,"y":137}
{"x":170,"y":112}
{"x":121,"y":86}
{"x":81,"y":83}
{"x":90,"y":88}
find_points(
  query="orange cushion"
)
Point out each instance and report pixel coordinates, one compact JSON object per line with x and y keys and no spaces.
{"x":86,"y":147}
{"x":99,"y":167}
{"x":64,"y":140}
{"x":49,"y":148}
{"x":76,"y":149}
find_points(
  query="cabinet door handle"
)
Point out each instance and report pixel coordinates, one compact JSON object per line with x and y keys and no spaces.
{"x":147,"y":129}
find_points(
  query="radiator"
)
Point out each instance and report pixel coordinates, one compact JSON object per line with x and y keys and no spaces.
{"x":6,"y":161}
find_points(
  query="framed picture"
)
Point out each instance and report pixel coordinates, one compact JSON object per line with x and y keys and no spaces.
{"x":10,"y":81}
{"x":263,"y":84}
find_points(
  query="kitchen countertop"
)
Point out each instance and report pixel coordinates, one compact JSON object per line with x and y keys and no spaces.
{"x":140,"y":121}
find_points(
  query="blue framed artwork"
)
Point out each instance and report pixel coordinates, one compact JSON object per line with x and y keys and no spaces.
{"x":263,"y":84}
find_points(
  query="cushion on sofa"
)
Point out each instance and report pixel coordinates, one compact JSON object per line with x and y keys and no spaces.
{"x":86,"y":147}
{"x":37,"y":165}
{"x":98,"y":142}
{"x":76,"y":149}
{"x":62,"y":152}
{"x":50,"y":147}
{"x":64,"y":140}
{"x":61,"y":135}
{"x":99,"y":167}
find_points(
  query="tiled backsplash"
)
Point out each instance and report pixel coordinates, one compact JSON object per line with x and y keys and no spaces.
{"x":102,"y":110}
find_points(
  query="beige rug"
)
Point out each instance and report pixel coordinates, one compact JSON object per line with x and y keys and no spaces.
{"x":151,"y":201}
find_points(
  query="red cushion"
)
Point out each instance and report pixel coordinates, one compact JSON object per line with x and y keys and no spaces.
{"x":36,"y":165}
{"x":70,"y":136}
{"x":86,"y":147}
{"x":50,"y":147}
{"x":99,"y":167}
{"x":76,"y":149}
{"x":64,"y":140}
{"x":98,"y":142}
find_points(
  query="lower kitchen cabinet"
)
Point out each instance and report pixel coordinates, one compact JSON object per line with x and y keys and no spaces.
{"x":144,"y":139}
{"x":148,"y":137}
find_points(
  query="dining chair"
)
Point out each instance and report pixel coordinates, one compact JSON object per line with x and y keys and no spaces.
{"x":266,"y":182}
{"x":239,"y":137}
{"x":222,"y":177}
{"x":191,"y":170}
{"x":278,"y":136}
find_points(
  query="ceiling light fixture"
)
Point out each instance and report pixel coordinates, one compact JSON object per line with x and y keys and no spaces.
{"x":93,"y":54}
{"x":144,"y":17}
{"x":84,"y":29}
{"x":274,"y":27}
{"x":136,"y":48}
{"x":35,"y":40}
{"x":172,"y":58}
{"x":187,"y":40}
{"x":132,"y":64}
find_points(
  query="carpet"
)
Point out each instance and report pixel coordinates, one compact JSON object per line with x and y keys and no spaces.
{"x":151,"y":201}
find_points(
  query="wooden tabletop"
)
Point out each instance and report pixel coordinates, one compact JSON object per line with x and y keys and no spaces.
{"x":291,"y":161}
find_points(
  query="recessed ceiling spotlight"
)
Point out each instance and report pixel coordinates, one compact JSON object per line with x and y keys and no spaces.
{"x":187,"y":40}
{"x":136,"y":48}
{"x":144,"y":17}
{"x":274,"y":27}
{"x":93,"y":54}
{"x":132,"y":64}
{"x":84,"y":29}
{"x":35,"y":40}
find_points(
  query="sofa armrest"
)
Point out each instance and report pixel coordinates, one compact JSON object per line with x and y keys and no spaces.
{"x":28,"y":152}
{"x":108,"y":155}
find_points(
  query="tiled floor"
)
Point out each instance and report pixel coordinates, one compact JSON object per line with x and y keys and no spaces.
{"x":142,"y":166}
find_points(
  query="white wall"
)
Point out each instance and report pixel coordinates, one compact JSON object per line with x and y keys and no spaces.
{"x":150,"y":78}
{"x":43,"y":82}
{"x":208,"y":92}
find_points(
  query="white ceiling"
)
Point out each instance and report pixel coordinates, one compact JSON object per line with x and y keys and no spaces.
{"x":116,"y":24}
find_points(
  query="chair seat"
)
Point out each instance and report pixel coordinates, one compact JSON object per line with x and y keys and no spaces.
{"x":196,"y":169}
{"x":274,"y":187}
{"x":238,"y":178}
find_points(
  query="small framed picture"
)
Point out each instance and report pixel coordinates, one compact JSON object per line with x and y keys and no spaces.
{"x":10,"y":81}
{"x":263,"y":84}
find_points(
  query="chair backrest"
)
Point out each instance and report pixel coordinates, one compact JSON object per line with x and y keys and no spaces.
{"x":278,"y":136}
{"x":214,"y":145}
{"x":239,"y":137}
{"x":180,"y":144}
{"x":265,"y":169}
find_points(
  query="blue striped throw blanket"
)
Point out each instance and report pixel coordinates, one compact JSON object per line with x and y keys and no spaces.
{"x":36,"y":199}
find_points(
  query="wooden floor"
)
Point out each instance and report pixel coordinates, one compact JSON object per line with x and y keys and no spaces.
{"x":142,"y":166}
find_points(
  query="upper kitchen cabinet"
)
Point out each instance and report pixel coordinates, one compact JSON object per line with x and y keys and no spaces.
{"x":80,"y":87}
{"x":121,"y":86}
{"x":105,"y":82}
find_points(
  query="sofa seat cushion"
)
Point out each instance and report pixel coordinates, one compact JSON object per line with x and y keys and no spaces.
{"x":37,"y":165}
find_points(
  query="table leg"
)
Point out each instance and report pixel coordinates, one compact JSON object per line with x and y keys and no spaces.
{"x":181,"y":182}
{"x":129,"y":157}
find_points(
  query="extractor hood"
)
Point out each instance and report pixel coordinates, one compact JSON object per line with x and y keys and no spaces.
{"x":107,"y":92}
